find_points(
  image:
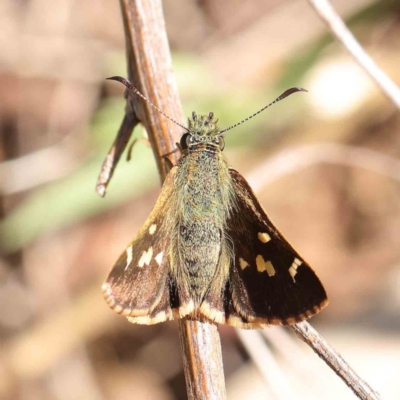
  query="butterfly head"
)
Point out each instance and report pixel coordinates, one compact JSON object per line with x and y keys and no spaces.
{"x":202,"y":129}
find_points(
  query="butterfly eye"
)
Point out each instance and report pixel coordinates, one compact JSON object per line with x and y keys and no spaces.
{"x":190,"y":140}
{"x":184,"y":142}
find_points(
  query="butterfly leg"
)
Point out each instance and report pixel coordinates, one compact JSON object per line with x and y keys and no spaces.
{"x":168,"y":163}
{"x":143,"y":140}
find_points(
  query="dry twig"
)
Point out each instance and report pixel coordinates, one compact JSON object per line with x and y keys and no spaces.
{"x":311,"y":337}
{"x":150,"y":70}
{"x":339,"y":29}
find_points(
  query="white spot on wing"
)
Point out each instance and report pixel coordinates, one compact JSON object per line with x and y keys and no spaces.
{"x":269,"y":268}
{"x":152,"y":229}
{"x":266,"y":266}
{"x":159,"y":258}
{"x":293,"y":268}
{"x":263,"y":237}
{"x":145,"y":258}
{"x":243,"y":263}
{"x":260,"y":263}
{"x":129,"y":256}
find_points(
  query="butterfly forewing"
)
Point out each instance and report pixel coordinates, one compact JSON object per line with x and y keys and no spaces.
{"x":139,"y":284}
{"x":269,"y":282}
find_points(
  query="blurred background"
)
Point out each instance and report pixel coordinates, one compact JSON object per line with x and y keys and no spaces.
{"x":325,"y":165}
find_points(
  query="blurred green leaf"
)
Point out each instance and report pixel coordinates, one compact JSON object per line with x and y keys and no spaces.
{"x":74,"y":198}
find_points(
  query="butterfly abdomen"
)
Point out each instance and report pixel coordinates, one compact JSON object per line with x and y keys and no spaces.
{"x":203,"y":205}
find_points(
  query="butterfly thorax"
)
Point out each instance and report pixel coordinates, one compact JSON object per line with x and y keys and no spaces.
{"x":203,"y":201}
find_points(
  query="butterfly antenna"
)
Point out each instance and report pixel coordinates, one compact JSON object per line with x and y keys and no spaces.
{"x":134,"y":90}
{"x":281,"y":97}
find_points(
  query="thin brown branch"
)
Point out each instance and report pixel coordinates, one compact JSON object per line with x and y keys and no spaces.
{"x":150,"y":70}
{"x":339,"y":29}
{"x":115,"y":152}
{"x":311,"y":337}
{"x":202,"y":360}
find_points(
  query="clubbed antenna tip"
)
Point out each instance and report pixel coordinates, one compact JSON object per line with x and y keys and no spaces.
{"x":286,"y":93}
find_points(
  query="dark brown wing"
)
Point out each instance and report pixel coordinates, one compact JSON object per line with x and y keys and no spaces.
{"x":269,"y":282}
{"x":139,"y":284}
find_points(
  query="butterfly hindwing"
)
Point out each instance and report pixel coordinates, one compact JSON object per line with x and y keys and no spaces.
{"x":269,"y":282}
{"x":139,"y":284}
{"x":161,"y":312}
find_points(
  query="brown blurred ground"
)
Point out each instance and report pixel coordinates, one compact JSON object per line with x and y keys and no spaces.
{"x":58,"y":339}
